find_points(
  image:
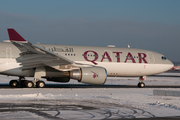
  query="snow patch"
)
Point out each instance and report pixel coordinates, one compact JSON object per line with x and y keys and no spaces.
{"x":167,"y":105}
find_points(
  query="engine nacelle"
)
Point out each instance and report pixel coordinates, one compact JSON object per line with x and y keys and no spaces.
{"x":90,"y":75}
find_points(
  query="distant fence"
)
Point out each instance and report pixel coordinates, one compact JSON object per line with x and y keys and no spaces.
{"x":166,"y":93}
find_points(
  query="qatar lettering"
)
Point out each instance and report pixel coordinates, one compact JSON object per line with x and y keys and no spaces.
{"x":106,"y":56}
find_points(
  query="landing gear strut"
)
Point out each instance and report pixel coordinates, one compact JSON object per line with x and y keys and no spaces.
{"x":141,"y":82}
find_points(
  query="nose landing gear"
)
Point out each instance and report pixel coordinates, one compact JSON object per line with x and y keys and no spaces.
{"x":141,"y":82}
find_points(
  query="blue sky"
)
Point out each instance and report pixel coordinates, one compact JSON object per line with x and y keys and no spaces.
{"x":146,"y":24}
{"x":165,"y":11}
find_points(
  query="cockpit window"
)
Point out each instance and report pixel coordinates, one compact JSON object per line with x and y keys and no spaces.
{"x":163,"y":58}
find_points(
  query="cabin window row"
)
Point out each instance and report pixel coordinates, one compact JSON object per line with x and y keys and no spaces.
{"x":89,"y":55}
{"x":70,"y":54}
{"x":133,"y":57}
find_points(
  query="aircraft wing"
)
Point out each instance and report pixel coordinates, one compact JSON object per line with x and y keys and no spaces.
{"x":33,"y":56}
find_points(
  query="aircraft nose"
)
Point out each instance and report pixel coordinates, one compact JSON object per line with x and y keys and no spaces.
{"x":167,"y":63}
{"x":170,"y":64}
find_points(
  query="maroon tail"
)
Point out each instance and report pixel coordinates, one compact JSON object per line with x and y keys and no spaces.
{"x":14,"y":36}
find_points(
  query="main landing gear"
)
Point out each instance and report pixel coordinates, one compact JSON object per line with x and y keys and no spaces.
{"x":141,"y":81}
{"x":26,"y":83}
{"x":39,"y":72}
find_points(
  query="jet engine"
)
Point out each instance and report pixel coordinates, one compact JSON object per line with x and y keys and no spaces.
{"x":89,"y":75}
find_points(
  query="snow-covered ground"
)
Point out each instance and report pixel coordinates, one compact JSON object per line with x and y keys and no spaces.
{"x":91,"y":103}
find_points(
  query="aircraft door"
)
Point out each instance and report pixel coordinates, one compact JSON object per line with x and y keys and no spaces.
{"x":151,"y":58}
{"x":8,"y":53}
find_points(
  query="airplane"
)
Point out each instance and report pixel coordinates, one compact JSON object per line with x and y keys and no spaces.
{"x":177,"y":68}
{"x":60,"y":63}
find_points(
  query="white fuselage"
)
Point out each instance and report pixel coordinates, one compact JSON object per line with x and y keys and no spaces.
{"x":117,"y":61}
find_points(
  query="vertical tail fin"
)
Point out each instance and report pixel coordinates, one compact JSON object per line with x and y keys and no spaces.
{"x":14,"y":36}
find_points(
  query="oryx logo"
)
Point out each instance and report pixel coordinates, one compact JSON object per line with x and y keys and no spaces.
{"x":95,"y":75}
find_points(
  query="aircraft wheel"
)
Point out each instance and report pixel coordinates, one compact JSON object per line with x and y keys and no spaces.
{"x":141,"y":85}
{"x":22,"y":83}
{"x":28,"y":84}
{"x":13,"y":83}
{"x":40,"y":84}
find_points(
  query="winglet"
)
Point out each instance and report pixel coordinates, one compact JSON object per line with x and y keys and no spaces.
{"x":14,"y":36}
